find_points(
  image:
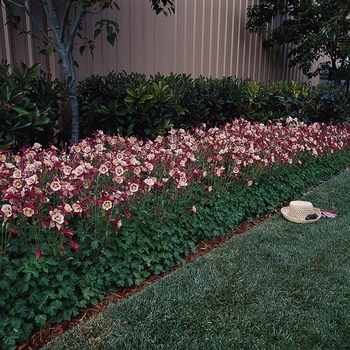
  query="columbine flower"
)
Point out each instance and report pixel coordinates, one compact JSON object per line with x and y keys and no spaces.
{"x":134,"y":161}
{"x":137,"y":170}
{"x":118,"y":179}
{"x":78,"y":171}
{"x":149,"y":166}
{"x":75,"y":246}
{"x":69,"y":188}
{"x":17,"y":174}
{"x":32,"y":180}
{"x":218,"y":171}
{"x":17,"y":183}
{"x":182,"y":182}
{"x":87,"y":150}
{"x":66,"y":170}
{"x":77,"y":207}
{"x":117,"y":224}
{"x":127,"y":213}
{"x":13,"y":231}
{"x":249,"y":182}
{"x":119,"y":156}
{"x":9,"y":165}
{"x":67,"y":208}
{"x":103,"y":169}
{"x":149,"y":181}
{"x":57,"y":218}
{"x":6,"y":209}
{"x":37,"y":146}
{"x":107,"y":205}
{"x":55,"y":185}
{"x":38,"y":253}
{"x":235,"y":170}
{"x":134,"y":187}
{"x":119,"y":171}
{"x":67,"y":233}
{"x":28,"y":212}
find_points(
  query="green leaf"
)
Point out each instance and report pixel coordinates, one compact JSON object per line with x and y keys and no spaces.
{"x":20,"y":111}
{"x":128,"y":240}
{"x":129,"y":99}
{"x":130,"y":129}
{"x":97,"y":32}
{"x":27,"y":277}
{"x":82,"y":49}
{"x":56,"y":304}
{"x":111,"y":38}
{"x":40,"y":320}
{"x":49,"y":49}
{"x":7,"y":144}
{"x":146,"y":97}
{"x":132,"y":93}
{"x":94,"y":244}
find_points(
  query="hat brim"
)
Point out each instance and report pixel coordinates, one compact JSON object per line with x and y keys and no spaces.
{"x":285,"y":210}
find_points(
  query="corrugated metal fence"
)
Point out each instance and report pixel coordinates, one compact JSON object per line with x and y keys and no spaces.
{"x":204,"y":37}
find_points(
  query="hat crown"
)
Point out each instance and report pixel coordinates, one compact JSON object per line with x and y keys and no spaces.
{"x":301,"y":204}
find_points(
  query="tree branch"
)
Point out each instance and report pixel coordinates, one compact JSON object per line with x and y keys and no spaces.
{"x":50,"y":18}
{"x":56,"y":19}
{"x":75,"y":25}
{"x":36,"y":24}
{"x":65,"y":18}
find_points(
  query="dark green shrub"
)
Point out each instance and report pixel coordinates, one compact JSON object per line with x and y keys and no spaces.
{"x":28,"y":106}
{"x":102,"y":105}
{"x":134,"y":105}
{"x":329,"y":104}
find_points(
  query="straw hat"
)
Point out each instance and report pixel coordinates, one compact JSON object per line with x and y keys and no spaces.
{"x":299,"y":210}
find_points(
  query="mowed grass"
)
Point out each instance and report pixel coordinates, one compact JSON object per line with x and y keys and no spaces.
{"x":280,"y":285}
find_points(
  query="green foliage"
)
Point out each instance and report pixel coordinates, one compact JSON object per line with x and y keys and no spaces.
{"x":311,"y":29}
{"x":147,"y":107}
{"x":163,"y":6}
{"x":131,"y":104}
{"x":28,"y":106}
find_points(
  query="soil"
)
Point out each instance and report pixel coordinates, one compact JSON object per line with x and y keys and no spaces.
{"x":50,"y":332}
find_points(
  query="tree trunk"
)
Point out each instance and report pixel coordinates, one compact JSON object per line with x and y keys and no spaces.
{"x":68,"y":66}
{"x":74,"y":106}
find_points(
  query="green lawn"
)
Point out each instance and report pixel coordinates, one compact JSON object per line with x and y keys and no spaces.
{"x":280,"y":285}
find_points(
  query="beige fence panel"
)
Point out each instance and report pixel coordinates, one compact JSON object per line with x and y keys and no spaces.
{"x":204,"y":37}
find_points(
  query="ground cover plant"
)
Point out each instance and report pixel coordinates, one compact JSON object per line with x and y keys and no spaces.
{"x":114,"y":210}
{"x":281,"y":285}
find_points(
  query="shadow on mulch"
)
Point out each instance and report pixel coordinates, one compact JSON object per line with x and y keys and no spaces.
{"x":50,"y":332}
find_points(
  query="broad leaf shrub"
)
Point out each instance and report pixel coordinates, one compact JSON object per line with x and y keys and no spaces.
{"x":147,"y":107}
{"x":29,"y":106}
{"x":114,"y":210}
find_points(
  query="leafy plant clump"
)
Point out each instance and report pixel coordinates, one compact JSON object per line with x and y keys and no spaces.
{"x":147,"y":107}
{"x":29,"y":106}
{"x":114,"y":210}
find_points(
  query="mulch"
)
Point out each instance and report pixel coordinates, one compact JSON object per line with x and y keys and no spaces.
{"x":51,"y":331}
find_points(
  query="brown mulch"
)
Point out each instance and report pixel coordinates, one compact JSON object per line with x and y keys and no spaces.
{"x":50,"y":332}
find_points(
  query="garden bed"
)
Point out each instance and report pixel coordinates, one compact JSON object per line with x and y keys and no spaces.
{"x":115,"y":211}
